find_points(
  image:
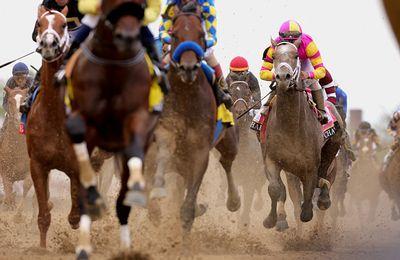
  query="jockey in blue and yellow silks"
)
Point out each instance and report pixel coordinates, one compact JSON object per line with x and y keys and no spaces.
{"x":209,"y":18}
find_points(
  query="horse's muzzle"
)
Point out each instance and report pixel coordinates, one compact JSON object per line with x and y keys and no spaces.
{"x":49,"y":47}
{"x":188,"y":72}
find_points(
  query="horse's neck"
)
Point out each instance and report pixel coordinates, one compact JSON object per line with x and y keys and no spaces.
{"x":50,"y":93}
{"x":291,"y":112}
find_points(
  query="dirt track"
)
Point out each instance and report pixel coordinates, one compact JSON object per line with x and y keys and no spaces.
{"x":216,"y":235}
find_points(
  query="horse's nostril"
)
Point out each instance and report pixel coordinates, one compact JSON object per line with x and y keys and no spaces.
{"x":54,"y":44}
{"x":287,"y":76}
{"x":278,"y":77}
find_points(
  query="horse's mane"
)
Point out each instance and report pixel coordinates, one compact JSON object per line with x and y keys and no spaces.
{"x":190,"y":7}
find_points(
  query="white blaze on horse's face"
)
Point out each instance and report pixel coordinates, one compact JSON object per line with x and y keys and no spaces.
{"x":53,"y":35}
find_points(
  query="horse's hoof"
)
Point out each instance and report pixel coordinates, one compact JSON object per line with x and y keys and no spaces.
{"x":324,"y":202}
{"x":282,"y":225}
{"x":135,"y":198}
{"x":83,"y":255}
{"x":233,"y":205}
{"x":270,"y":222}
{"x":158,"y":193}
{"x":306,"y":215}
{"x":200,"y":210}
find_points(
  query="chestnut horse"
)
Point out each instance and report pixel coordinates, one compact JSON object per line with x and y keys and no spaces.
{"x":48,"y":143}
{"x":185,"y":135}
{"x":111,"y":84}
{"x":295,"y":142}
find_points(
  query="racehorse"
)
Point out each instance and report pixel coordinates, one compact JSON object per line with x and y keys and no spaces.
{"x":248,"y":164}
{"x":14,"y":160}
{"x":390,"y":181}
{"x":294,"y":141}
{"x":110,"y":88}
{"x":185,"y":134}
{"x":365,"y":173}
{"x":47,"y":141}
{"x":393,"y":9}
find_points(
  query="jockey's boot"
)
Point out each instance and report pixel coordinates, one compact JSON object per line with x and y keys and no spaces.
{"x":26,"y":105}
{"x":220,"y":88}
{"x":318,"y":98}
{"x":159,"y":71}
{"x":347,"y":147}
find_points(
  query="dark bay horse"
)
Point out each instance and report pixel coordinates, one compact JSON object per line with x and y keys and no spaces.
{"x":48,"y":144}
{"x":111,"y":83}
{"x":295,"y":142}
{"x":14,"y":159}
{"x":185,"y":135}
{"x":249,"y":163}
{"x":393,"y":9}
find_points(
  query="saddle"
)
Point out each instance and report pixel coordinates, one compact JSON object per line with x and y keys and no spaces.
{"x":329,"y":129}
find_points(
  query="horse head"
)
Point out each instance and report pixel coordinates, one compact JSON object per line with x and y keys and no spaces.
{"x":188,"y":43}
{"x":14,"y":100}
{"x":241,"y":96}
{"x":287,"y":65}
{"x":123,"y":21}
{"x":53,"y":34}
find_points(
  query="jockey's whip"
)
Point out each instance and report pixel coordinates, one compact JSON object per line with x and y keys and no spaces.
{"x":33,"y":67}
{"x":8,"y":63}
{"x":258,"y":102}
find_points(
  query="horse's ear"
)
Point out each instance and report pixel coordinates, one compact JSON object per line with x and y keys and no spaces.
{"x":273,"y":43}
{"x":64,"y":11}
{"x":41,"y":11}
{"x":297,"y":42}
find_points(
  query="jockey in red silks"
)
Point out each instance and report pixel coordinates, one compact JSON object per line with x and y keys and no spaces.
{"x":312,"y":65}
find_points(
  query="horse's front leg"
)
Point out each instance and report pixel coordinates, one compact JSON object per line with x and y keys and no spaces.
{"x":228,"y":147}
{"x":76,"y":129}
{"x":309,"y":184}
{"x":275,"y":191}
{"x":134,"y":157}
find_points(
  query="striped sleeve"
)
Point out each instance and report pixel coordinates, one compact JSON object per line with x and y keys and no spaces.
{"x":267,"y":65}
{"x":166,"y":24}
{"x":152,"y":11}
{"x":316,"y":60}
{"x":89,"y":6}
{"x":209,"y":14}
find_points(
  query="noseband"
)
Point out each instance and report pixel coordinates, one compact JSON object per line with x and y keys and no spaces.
{"x":63,"y":42}
{"x":294,"y":72}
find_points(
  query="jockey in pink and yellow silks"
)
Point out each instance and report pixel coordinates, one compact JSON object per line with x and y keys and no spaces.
{"x":311,"y":61}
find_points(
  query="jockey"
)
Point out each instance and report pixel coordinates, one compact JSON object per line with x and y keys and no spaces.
{"x":365,"y":129}
{"x":20,"y":79}
{"x":91,"y":9}
{"x":394,"y":130}
{"x":239,"y":71}
{"x":208,"y":15}
{"x":312,"y":65}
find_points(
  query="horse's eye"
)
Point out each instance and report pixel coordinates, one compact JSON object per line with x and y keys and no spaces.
{"x":64,"y":26}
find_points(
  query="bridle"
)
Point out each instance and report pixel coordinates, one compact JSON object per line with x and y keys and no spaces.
{"x":63,"y":42}
{"x":295,"y":73}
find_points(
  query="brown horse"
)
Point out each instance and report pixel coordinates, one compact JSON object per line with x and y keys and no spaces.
{"x":248,"y":164}
{"x":14,"y":159}
{"x":339,"y":188}
{"x":390,"y":181}
{"x":294,"y":142}
{"x":186,"y":130}
{"x":48,"y":143}
{"x":111,"y":84}
{"x":365,"y":173}
{"x":393,"y":9}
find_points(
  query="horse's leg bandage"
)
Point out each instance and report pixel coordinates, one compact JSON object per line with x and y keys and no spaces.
{"x":322,"y":182}
{"x":87,"y":175}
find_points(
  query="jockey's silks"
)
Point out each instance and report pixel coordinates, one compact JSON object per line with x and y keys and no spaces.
{"x":208,"y":15}
{"x":308,"y":50}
